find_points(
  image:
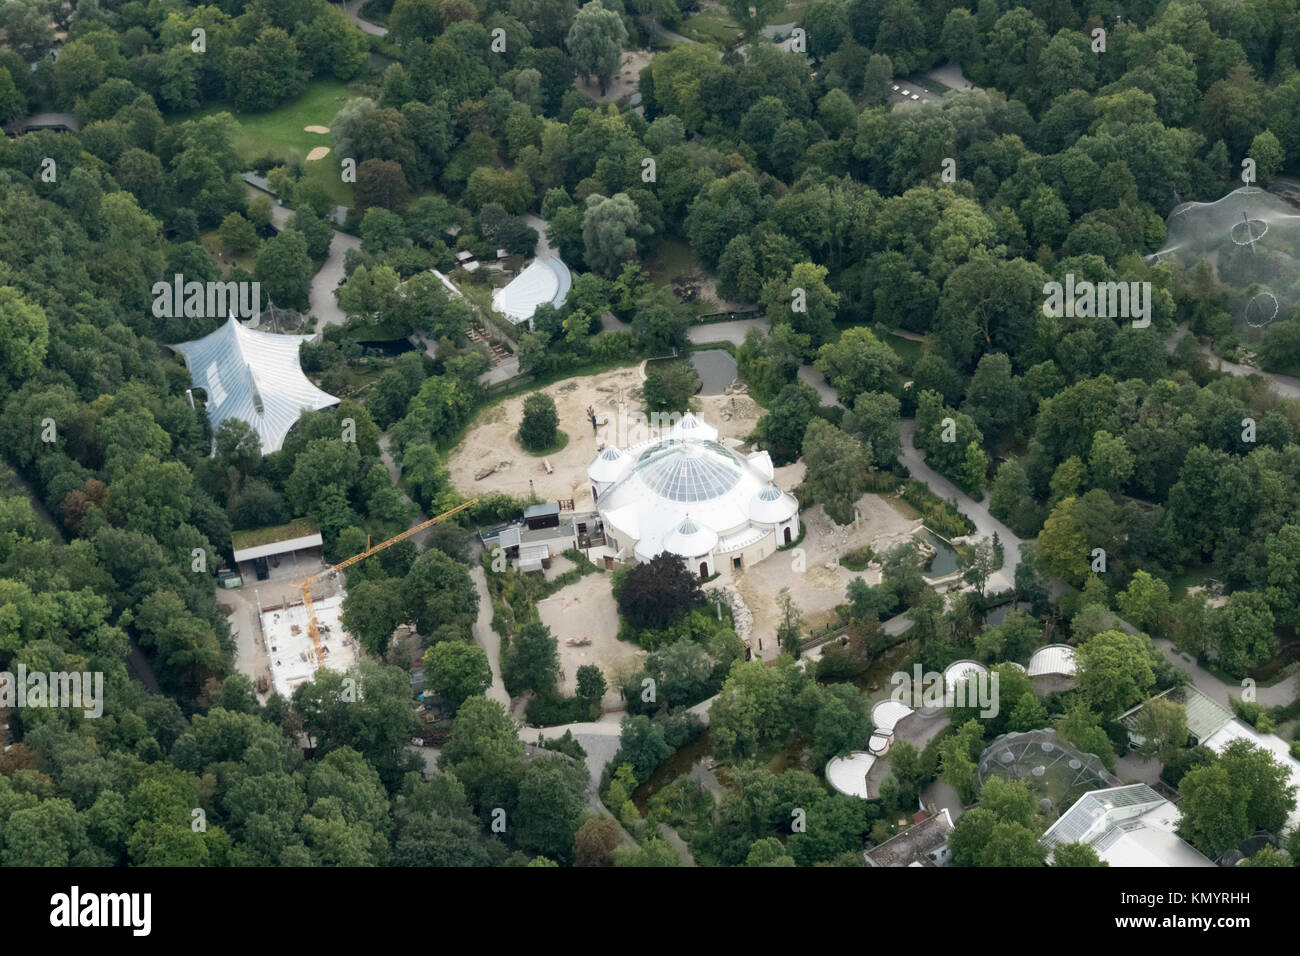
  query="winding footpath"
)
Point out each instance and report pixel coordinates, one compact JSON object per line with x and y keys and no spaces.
{"x":323,"y":304}
{"x":1283,"y":385}
{"x":374,"y":29}
{"x":985,"y":524}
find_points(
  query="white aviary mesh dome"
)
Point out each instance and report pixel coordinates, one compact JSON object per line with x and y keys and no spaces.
{"x":1250,"y":242}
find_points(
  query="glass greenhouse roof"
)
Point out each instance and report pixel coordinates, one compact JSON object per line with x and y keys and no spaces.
{"x":688,"y":471}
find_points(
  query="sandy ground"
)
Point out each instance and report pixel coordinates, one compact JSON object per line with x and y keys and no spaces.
{"x":241,"y":606}
{"x":491,"y":438}
{"x":316,"y":129}
{"x":817,"y":588}
{"x":586,"y":610}
{"x":626,"y":82}
{"x":319,"y":152}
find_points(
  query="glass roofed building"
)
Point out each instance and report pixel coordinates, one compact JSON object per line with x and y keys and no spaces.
{"x":689,"y":495}
{"x":255,"y":377}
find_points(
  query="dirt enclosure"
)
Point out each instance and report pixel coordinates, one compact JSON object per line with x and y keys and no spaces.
{"x":817,"y":588}
{"x":491,"y":443}
{"x":586,"y":611}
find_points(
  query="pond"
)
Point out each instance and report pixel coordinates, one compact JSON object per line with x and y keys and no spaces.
{"x":945,"y":559}
{"x":876,"y":683}
{"x":996,"y":615}
{"x":715,"y":367}
{"x":693,"y":760}
{"x":389,"y":348}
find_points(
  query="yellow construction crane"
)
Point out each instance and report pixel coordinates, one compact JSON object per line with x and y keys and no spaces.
{"x":312,"y":627}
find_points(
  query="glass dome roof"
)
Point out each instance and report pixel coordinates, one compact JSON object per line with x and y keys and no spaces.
{"x":688,"y":471}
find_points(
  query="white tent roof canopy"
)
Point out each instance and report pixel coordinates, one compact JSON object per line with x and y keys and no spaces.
{"x":255,"y":377}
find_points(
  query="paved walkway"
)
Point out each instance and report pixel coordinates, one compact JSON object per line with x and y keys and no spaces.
{"x":490,"y":641}
{"x":323,"y":304}
{"x":373,"y":29}
{"x":1284,"y":385}
{"x":951,"y":76}
{"x":811,"y":375}
{"x":733,"y":332}
{"x":658,"y":29}
{"x":977,"y":511}
{"x":1278,"y":695}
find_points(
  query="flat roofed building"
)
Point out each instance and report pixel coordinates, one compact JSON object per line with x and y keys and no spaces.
{"x":922,"y":844}
{"x":848,"y":774}
{"x":1237,"y":729}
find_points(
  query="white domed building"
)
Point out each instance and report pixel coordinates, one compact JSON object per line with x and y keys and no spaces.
{"x":689,"y":495}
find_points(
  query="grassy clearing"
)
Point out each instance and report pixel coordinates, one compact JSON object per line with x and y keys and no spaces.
{"x":212,"y":242}
{"x":711,"y":26}
{"x":671,"y":258}
{"x":714,"y":25}
{"x":908,"y":350}
{"x":280,"y":133}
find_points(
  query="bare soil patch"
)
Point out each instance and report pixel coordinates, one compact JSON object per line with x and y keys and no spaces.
{"x":821,"y":585}
{"x":624,"y":83}
{"x":490,"y":443}
{"x":586,"y":611}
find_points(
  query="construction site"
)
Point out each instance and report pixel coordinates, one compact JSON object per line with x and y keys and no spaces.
{"x":293,"y":656}
{"x":286,"y":615}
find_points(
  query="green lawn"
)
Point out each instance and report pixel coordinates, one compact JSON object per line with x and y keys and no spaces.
{"x":908,"y":350}
{"x":212,"y":242}
{"x":714,"y":25}
{"x":711,"y":26}
{"x":280,"y":133}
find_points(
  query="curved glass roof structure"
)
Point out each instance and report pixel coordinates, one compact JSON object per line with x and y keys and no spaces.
{"x":545,"y":280}
{"x":690,"y":496}
{"x":689,"y":471}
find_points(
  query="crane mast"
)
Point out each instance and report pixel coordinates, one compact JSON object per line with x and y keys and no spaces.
{"x":313,"y":629}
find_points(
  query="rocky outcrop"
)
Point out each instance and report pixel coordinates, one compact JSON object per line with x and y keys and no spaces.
{"x":742,"y":618}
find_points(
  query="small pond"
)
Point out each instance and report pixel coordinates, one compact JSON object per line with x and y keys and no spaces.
{"x":715,"y":367}
{"x":945,"y":559}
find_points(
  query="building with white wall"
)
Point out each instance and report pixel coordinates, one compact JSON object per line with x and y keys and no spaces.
{"x":689,"y":495}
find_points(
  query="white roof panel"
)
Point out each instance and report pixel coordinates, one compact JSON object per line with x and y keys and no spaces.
{"x":255,"y":377}
{"x":545,"y":280}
